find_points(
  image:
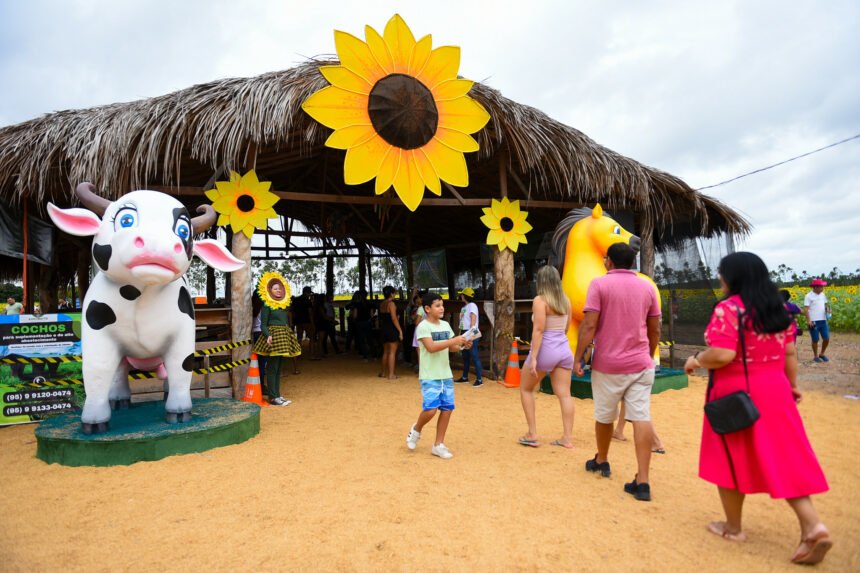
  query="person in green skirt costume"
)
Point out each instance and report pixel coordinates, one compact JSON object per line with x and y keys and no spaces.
{"x":277,"y":340}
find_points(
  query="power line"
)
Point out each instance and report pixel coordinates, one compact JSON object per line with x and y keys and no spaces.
{"x":780,"y":163}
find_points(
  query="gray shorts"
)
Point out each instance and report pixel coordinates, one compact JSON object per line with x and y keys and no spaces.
{"x":609,"y":389}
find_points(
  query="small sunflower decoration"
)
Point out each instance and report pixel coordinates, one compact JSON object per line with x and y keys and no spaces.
{"x":244,"y":202}
{"x":274,"y":290}
{"x":400,"y":112}
{"x":507,"y":224}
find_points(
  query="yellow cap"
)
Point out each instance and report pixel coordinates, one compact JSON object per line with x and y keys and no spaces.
{"x":468,"y":291}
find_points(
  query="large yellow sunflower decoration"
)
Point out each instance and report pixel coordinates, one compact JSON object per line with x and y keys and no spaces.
{"x":399,"y":111}
{"x":507,"y":224}
{"x":266,"y":288}
{"x":244,"y":202}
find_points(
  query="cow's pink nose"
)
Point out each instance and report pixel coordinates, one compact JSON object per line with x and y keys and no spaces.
{"x":177,"y":248}
{"x":138,"y":242}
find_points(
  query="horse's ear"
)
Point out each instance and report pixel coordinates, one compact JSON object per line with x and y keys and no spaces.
{"x":597,"y":212}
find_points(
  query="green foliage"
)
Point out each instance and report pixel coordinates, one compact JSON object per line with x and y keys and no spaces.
{"x":9,"y":289}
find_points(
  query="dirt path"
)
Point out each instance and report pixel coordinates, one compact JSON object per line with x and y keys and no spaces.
{"x":328,"y":485}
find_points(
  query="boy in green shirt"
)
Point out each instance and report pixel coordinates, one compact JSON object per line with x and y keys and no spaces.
{"x":437,"y":382}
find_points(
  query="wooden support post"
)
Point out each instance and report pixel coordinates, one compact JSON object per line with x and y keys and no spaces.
{"x":646,"y":249}
{"x":503,"y":302}
{"x":329,"y":274}
{"x":410,"y":275}
{"x":671,"y":311}
{"x":83,"y":275}
{"x":240,"y":297}
{"x":362,"y":266}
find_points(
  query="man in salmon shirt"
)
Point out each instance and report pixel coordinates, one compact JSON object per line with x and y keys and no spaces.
{"x":622,"y":317}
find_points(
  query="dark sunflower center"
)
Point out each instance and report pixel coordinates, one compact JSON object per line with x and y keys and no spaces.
{"x":402,"y":111}
{"x":506,"y":223}
{"x":245,"y":203}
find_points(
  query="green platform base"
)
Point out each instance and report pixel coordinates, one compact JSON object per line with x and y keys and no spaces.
{"x":142,"y":434}
{"x":665,"y":379}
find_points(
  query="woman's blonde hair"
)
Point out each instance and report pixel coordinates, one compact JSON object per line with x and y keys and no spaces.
{"x":549,"y":287}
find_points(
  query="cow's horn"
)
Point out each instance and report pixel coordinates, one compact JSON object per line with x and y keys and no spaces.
{"x":203,"y":221}
{"x":86,"y":192}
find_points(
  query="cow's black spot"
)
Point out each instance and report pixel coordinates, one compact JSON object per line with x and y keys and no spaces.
{"x":128,"y":292}
{"x":185,"y":304}
{"x":101,"y":253}
{"x":188,"y":363}
{"x":99,"y":315}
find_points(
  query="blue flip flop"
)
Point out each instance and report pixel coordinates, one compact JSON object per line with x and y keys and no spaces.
{"x":527,"y":442}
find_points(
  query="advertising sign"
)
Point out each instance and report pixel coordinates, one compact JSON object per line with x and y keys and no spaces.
{"x":40,"y":369}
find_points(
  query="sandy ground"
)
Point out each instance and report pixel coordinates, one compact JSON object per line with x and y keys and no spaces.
{"x":329,"y":485}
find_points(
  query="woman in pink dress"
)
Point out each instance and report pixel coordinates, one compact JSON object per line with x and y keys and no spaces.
{"x":773,"y":455}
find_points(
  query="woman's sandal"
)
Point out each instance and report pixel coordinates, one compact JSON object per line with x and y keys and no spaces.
{"x":719,"y":528}
{"x":812,"y":549}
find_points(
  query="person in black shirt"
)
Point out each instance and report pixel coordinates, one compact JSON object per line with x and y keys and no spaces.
{"x":302,"y":308}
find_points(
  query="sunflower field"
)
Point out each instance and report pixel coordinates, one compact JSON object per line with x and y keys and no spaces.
{"x":695,"y":305}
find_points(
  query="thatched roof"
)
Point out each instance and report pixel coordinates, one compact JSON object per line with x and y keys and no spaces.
{"x":181,"y":139}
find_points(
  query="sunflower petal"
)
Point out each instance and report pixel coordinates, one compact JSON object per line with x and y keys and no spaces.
{"x":224,"y":204}
{"x":490,"y":222}
{"x":249,"y":181}
{"x":212,"y":194}
{"x":341,"y":77}
{"x":356,"y":55}
{"x":265,"y":200}
{"x":387,"y":170}
{"x":408,"y":183}
{"x":248,"y":230}
{"x":400,"y":41}
{"x":450,"y":165}
{"x":223,"y":220}
{"x":420,"y":54}
{"x":336,"y":108}
{"x":456,"y":139}
{"x":498,"y":208}
{"x":379,"y":49}
{"x":522,"y":227}
{"x":260,"y":220}
{"x":495,"y":236}
{"x":362,"y":162}
{"x":512,"y":242}
{"x":452,"y":89}
{"x":511,"y":210}
{"x":442,"y":64}
{"x":463,"y":114}
{"x":428,"y":174}
{"x":350,"y":136}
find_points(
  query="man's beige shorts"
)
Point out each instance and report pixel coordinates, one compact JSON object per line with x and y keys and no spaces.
{"x":610,"y":389}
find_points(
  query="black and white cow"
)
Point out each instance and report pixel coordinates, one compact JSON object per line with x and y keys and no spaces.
{"x":138,"y":312}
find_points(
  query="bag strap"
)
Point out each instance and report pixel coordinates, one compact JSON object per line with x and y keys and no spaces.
{"x":743,"y":356}
{"x":743,"y":346}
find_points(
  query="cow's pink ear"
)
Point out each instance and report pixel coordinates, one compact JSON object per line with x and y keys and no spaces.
{"x":75,"y":221}
{"x":217,"y":256}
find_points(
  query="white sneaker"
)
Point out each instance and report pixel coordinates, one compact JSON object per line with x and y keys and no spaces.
{"x":279,"y":401}
{"x":412,"y":438}
{"x":441,"y":450}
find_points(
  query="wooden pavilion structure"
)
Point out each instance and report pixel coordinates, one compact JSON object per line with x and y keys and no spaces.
{"x":182,"y":142}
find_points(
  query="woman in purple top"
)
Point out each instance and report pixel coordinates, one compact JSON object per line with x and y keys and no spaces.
{"x":550,"y":352}
{"x":793,"y":311}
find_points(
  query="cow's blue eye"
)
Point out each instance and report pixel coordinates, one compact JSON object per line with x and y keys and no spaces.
{"x":126,"y":220}
{"x":182,"y":230}
{"x":617,"y":230}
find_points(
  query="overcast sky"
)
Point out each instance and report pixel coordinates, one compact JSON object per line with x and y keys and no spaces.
{"x":704,"y":90}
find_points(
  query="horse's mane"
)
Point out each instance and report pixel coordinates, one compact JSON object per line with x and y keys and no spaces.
{"x":562,"y":230}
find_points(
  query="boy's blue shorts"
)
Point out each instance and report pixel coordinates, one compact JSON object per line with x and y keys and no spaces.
{"x":821,"y":329}
{"x":438,"y":394}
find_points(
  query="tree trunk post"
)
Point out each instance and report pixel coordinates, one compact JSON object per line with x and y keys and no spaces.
{"x":241,"y":319}
{"x":646,"y":249}
{"x":503,"y":324}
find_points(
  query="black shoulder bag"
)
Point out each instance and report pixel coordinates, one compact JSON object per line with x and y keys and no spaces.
{"x":736,"y":411}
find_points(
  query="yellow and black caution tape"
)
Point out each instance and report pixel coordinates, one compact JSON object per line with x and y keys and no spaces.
{"x":230,"y":346}
{"x":667,"y":343}
{"x":63,"y":359}
{"x":134,"y":376}
{"x":46,"y":360}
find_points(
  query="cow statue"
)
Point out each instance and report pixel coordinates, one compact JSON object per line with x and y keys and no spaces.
{"x":138,"y":312}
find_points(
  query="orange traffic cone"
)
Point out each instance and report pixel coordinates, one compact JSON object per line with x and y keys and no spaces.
{"x":512,"y":376}
{"x":253,"y":390}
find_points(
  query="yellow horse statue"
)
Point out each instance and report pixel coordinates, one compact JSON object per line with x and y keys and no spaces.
{"x":579,"y":243}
